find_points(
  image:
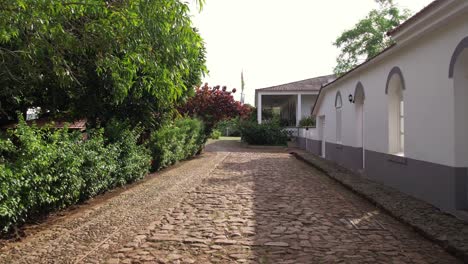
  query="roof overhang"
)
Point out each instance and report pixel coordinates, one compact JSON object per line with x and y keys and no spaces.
{"x":350,"y":74}
{"x":434,"y":16}
{"x":437,"y":14}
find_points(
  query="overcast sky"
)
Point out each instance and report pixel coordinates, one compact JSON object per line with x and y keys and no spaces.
{"x":276,"y":41}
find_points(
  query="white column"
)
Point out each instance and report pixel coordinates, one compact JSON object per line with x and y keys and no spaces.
{"x":259,"y":108}
{"x":299,"y":109}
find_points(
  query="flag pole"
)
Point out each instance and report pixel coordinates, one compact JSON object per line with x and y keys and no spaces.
{"x":242,"y":87}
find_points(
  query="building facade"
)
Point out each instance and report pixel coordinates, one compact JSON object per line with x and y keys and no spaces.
{"x":289,"y":102}
{"x":401,"y":118}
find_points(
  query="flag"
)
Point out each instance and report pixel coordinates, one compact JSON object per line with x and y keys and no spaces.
{"x":242,"y":86}
{"x":242,"y":81}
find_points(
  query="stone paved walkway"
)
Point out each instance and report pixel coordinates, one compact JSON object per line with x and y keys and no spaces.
{"x":243,"y":206}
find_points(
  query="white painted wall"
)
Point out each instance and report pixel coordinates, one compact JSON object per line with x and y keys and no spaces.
{"x":308,"y":102}
{"x":429,"y":98}
{"x":460,"y":79}
{"x":310,"y":132}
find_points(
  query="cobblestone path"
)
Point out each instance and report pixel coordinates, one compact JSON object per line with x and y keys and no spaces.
{"x":242,"y":206}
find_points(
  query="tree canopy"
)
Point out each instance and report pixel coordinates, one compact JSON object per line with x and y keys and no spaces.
{"x":368,"y":37}
{"x":97,"y":59}
{"x":214,"y":104}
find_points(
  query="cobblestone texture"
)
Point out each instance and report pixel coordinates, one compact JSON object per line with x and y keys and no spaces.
{"x":271,"y":208}
{"x":241,"y":206}
{"x":444,"y":229}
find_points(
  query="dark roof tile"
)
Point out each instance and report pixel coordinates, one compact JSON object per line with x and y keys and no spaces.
{"x":313,"y":84}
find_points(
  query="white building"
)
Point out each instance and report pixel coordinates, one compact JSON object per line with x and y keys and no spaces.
{"x":289,"y":101}
{"x":401,"y":118}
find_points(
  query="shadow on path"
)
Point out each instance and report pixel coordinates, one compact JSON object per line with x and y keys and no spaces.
{"x":264,"y":206}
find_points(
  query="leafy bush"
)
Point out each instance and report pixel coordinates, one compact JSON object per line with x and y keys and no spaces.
{"x":99,"y":165}
{"x":216,"y":134}
{"x":134,"y":160}
{"x":113,"y":160}
{"x":173,"y":142}
{"x":307,"y":122}
{"x":269,"y":133}
{"x":229,"y":127}
{"x":39,"y":173}
{"x":214,"y":104}
{"x":42,"y":169}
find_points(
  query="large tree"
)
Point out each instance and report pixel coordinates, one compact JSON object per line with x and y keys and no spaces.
{"x":368,"y":37}
{"x":214,"y":104}
{"x":97,"y":59}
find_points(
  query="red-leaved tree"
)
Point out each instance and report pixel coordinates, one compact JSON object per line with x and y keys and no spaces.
{"x":213,"y":104}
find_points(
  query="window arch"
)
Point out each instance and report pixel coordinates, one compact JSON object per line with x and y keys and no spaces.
{"x":359,"y":95}
{"x":396,"y":113}
{"x":338,"y":101}
{"x":458,"y":51}
{"x":459,"y":73}
{"x":338,"y":106}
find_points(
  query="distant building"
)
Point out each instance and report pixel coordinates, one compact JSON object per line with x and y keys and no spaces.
{"x":290,"y":102}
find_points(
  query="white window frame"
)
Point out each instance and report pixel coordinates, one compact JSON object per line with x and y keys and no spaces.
{"x":401,"y":127}
{"x":396,"y":123}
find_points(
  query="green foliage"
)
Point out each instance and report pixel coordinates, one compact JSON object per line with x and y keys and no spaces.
{"x":268,"y":133}
{"x":98,"y":59}
{"x":368,"y":37}
{"x":99,"y":165}
{"x":43,"y":169}
{"x":307,"y":122}
{"x":215,"y":134}
{"x":178,"y":141}
{"x":134,"y":160}
{"x":212,"y":105}
{"x":229,"y":127}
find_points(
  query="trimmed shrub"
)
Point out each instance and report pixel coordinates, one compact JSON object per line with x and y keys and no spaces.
{"x":40,"y":172}
{"x":216,"y":134}
{"x":134,"y":160}
{"x":99,"y":165}
{"x":178,"y":141}
{"x":269,"y":133}
{"x":44,"y":169}
{"x":307,"y":122}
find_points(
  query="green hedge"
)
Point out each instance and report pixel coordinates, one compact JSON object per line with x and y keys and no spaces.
{"x":43,"y":169}
{"x":215,"y":134}
{"x":307,"y":122}
{"x":178,"y":141}
{"x":269,"y":133}
{"x":229,"y":127}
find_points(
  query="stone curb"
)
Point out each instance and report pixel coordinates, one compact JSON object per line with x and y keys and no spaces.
{"x":444,"y":229}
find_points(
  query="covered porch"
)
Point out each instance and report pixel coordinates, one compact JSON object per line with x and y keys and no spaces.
{"x":289,"y":103}
{"x":288,"y":108}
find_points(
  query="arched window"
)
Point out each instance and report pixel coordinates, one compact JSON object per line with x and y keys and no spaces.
{"x":396,"y":112}
{"x":338,"y":105}
{"x":359,"y":97}
{"x":459,"y":73}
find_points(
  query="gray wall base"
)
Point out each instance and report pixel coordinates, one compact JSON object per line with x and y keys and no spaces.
{"x":349,"y":157}
{"x":442,"y":186}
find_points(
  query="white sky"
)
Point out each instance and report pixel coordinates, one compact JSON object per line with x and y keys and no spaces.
{"x":276,"y":41}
